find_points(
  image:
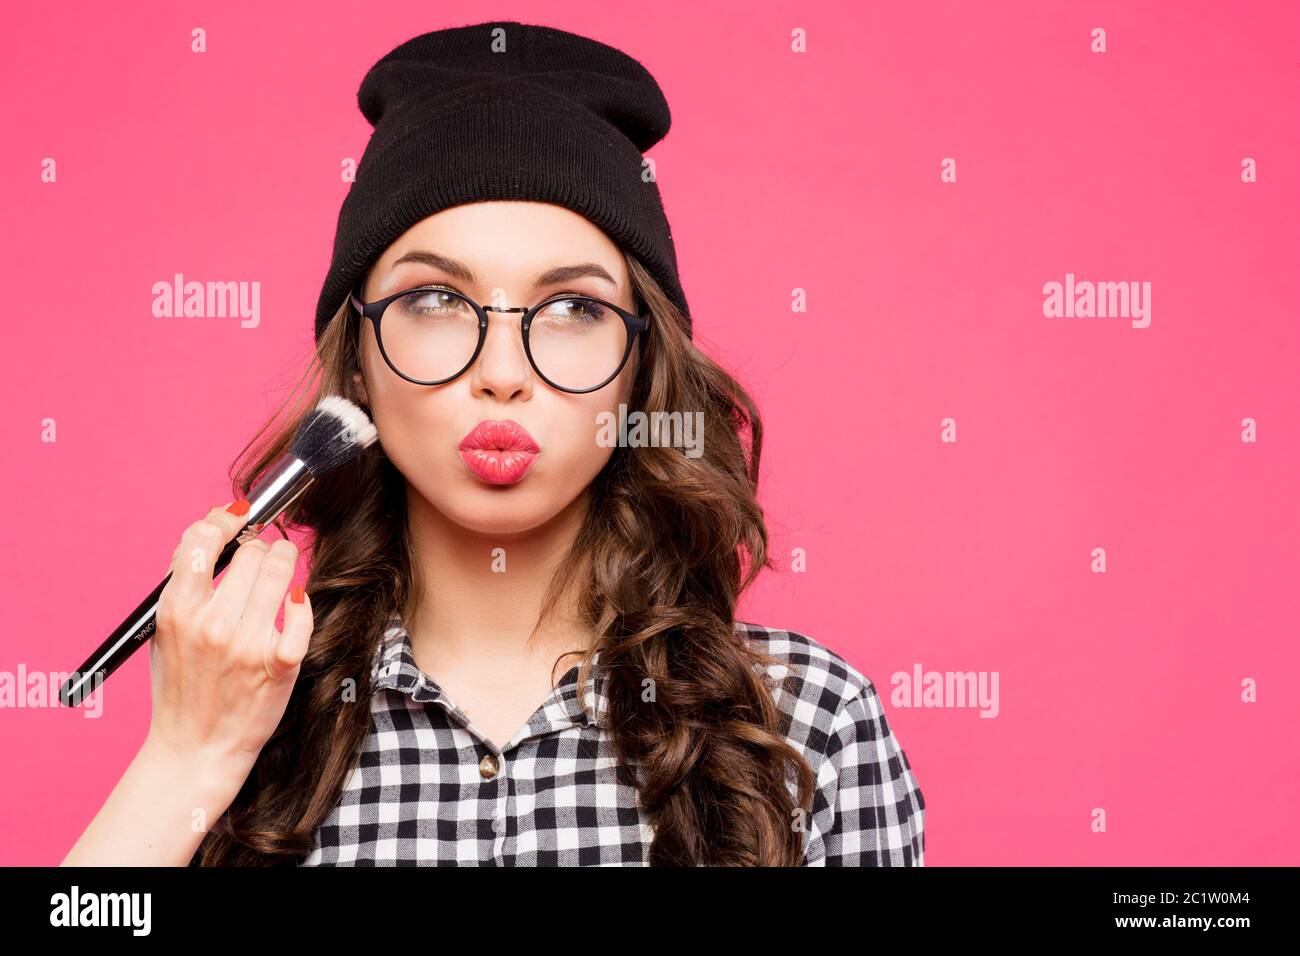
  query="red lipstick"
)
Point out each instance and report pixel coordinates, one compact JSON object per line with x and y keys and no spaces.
{"x":499,"y":452}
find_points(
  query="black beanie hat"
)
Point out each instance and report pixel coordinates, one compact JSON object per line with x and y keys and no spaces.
{"x":552,"y":116}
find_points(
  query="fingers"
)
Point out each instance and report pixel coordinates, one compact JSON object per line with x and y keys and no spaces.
{"x":196,"y":556}
{"x":288,"y":647}
{"x":268,"y":590}
{"x":231,"y":596}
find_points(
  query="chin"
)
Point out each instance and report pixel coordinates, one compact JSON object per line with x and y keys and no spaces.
{"x":505,"y":518}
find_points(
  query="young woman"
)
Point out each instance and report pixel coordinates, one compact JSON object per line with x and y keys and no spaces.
{"x":493,"y":538}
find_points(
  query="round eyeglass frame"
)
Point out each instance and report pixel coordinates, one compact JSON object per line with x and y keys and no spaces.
{"x":374,"y":311}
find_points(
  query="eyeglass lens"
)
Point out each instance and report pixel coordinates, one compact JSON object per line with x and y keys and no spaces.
{"x":430,"y":335}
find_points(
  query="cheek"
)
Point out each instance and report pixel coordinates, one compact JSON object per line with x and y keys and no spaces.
{"x":591,"y":433}
{"x":418,"y":442}
{"x":576,"y":437}
{"x":417,"y":426}
{"x":402,"y":411}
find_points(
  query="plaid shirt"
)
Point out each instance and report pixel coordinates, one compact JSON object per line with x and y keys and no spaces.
{"x":429,"y":790}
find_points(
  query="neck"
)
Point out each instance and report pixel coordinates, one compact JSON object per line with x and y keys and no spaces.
{"x":472,"y":611}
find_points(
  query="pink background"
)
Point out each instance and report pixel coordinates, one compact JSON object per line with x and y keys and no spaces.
{"x":818,"y":171}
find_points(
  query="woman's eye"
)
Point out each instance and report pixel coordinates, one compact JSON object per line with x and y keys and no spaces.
{"x":425,"y":301}
{"x":579,"y":309}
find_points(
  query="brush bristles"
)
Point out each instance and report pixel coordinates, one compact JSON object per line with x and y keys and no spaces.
{"x":333,"y":434}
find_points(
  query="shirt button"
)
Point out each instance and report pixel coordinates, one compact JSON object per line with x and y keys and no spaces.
{"x":487,"y":767}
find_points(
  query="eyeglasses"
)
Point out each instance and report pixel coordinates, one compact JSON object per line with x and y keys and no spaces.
{"x":430,"y":335}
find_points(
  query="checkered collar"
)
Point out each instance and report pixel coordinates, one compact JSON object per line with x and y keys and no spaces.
{"x":394,"y":668}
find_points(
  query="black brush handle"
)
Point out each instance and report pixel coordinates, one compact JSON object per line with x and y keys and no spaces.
{"x":132,"y":634}
{"x":288,"y":479}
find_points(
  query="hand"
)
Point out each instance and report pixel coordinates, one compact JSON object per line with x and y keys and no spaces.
{"x":221,"y":673}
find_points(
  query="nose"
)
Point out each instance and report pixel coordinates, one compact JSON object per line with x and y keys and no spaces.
{"x":501,"y":370}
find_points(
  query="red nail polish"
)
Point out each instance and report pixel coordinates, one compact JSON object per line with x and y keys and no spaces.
{"x":239,"y":507}
{"x":297,"y":595}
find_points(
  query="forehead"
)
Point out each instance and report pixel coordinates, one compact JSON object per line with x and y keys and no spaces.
{"x":509,"y":238}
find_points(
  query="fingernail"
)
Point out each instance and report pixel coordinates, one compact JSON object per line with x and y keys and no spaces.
{"x":297,"y":595}
{"x":240,"y":507}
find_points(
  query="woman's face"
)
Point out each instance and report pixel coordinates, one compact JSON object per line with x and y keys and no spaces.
{"x":497,"y":253}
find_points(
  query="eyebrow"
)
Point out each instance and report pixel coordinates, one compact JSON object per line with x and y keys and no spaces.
{"x":549,"y":277}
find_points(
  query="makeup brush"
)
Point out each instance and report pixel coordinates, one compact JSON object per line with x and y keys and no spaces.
{"x":334,"y":433}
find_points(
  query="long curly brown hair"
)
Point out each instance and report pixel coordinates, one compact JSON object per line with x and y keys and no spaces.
{"x":667,"y":546}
